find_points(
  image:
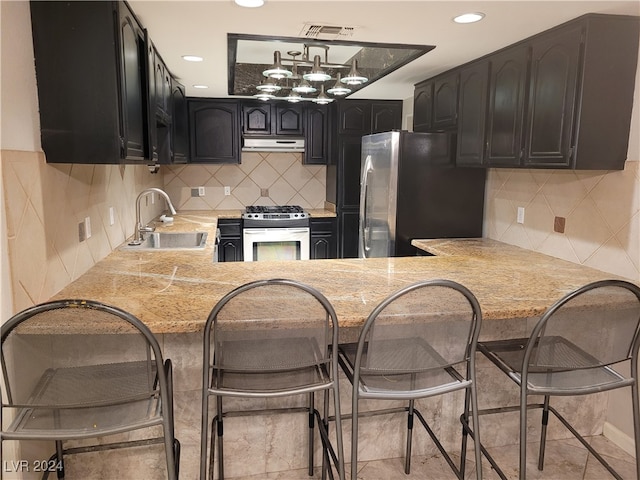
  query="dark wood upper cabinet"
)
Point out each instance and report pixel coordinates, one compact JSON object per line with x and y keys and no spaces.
{"x":133,"y":94}
{"x":289,"y":119}
{"x":472,"y":111}
{"x":256,"y":118}
{"x":91,"y":72}
{"x":435,"y":103}
{"x":317,"y":134}
{"x":266,"y":118}
{"x":559,"y":99}
{"x":552,"y":98}
{"x":354,"y":116}
{"x":386,"y":116}
{"x":423,"y":106}
{"x":214,"y":131}
{"x":590,"y":67}
{"x":445,"y":101}
{"x":179,"y":124}
{"x":507,"y":95}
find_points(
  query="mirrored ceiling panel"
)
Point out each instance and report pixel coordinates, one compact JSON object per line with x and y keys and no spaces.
{"x":301,"y":69}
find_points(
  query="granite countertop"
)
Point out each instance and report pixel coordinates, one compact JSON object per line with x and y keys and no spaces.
{"x":174,"y":291}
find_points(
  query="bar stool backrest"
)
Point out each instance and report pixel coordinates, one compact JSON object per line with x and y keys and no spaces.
{"x":275,"y":310}
{"x":594,"y":326}
{"x":433,"y":321}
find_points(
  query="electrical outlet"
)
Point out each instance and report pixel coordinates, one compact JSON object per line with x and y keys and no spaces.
{"x":87,"y":227}
{"x":264,"y":192}
{"x":520,"y":215}
{"x":201,"y":191}
{"x":227,"y":190}
{"x":112,"y":218}
{"x":81,"y":232}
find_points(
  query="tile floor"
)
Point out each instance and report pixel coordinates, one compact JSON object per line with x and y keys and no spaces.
{"x":565,"y":460}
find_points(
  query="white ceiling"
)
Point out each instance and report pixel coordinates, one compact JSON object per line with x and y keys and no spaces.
{"x":181,"y":27}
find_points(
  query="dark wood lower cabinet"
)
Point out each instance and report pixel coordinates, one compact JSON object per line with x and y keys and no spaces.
{"x":324,"y":241}
{"x":230,"y":247}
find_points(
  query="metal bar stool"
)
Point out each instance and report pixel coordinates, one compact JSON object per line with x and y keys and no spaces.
{"x":266,"y":339}
{"x":574,"y":349}
{"x":79,"y":369}
{"x":419,"y":342}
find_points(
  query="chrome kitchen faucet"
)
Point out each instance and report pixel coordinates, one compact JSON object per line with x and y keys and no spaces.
{"x":141,"y":229}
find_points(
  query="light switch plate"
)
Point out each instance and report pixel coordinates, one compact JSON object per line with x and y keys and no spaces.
{"x":112,"y":218}
{"x":87,"y":227}
{"x":227,"y":190}
{"x":520,"y":215}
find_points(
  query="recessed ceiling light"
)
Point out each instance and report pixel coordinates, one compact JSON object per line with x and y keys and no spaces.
{"x":469,"y":17}
{"x":250,"y":3}
{"x":192,"y":58}
{"x":200,"y":86}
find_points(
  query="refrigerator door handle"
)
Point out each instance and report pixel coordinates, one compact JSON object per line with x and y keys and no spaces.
{"x":365,"y":234}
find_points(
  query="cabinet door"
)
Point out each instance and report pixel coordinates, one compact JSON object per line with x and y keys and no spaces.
{"x":134,"y":140}
{"x":288,"y":119}
{"x":256,"y":118}
{"x":354,"y":117}
{"x":552,"y":99}
{"x":423,"y":107}
{"x":507,"y":91}
{"x":472,"y":109}
{"x":214,"y":131}
{"x":162,"y":81}
{"x":323,"y":238}
{"x":179,"y":124}
{"x":349,"y":153}
{"x":316,"y":134}
{"x":386,"y":116}
{"x":349,"y":221}
{"x":445,"y":101}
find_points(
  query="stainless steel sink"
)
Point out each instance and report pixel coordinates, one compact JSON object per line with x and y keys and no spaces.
{"x":171,"y":241}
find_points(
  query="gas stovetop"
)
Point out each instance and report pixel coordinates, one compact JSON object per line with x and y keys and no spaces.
{"x":275,"y":212}
{"x":275,"y":216}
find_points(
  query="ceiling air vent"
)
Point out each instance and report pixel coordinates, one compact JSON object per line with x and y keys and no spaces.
{"x":326,"y":32}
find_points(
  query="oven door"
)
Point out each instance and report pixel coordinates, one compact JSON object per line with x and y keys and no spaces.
{"x":275,"y":244}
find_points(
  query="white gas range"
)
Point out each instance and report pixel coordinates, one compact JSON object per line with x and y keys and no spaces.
{"x":275,"y":233}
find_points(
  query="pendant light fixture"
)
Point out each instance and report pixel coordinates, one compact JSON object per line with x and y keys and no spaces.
{"x":322,"y":98}
{"x":338,"y":88}
{"x":317,"y":74}
{"x":293,"y":97}
{"x":277,"y":71}
{"x":354,"y":77}
{"x":268,"y":86}
{"x":304,"y":87}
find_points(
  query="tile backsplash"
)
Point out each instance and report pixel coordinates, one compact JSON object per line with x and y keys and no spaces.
{"x":263,"y":178}
{"x":601,"y":211}
{"x":44,"y":203}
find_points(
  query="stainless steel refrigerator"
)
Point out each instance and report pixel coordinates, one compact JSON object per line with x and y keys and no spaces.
{"x":410,"y":188}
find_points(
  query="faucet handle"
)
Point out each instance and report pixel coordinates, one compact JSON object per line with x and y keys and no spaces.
{"x":147,"y":229}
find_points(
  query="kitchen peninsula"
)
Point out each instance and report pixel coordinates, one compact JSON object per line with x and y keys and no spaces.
{"x":174,"y":291}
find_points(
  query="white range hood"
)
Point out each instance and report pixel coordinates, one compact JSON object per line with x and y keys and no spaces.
{"x":273,"y":144}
